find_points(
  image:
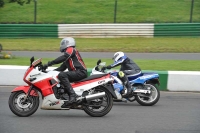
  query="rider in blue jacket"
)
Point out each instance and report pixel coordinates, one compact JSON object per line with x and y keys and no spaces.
{"x":128,"y":67}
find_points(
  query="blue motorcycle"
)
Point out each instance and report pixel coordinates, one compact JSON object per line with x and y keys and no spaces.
{"x":144,"y":86}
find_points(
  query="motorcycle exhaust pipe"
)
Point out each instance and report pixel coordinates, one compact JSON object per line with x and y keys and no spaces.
{"x":94,"y":96}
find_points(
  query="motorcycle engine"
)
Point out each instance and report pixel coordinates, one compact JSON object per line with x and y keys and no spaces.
{"x":59,"y":92}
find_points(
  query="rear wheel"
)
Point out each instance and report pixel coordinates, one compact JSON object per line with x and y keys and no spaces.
{"x":149,"y":99}
{"x":20,"y":107}
{"x":100,"y":106}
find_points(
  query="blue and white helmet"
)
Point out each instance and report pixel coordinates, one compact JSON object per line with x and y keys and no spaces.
{"x":117,"y":56}
{"x":67,"y":42}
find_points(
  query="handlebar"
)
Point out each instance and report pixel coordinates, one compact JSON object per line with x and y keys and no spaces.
{"x":41,"y":68}
{"x":100,"y":69}
{"x":102,"y":64}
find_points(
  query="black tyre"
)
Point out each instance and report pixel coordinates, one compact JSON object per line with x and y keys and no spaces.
{"x":20,"y":108}
{"x":151,"y":98}
{"x":100,"y":106}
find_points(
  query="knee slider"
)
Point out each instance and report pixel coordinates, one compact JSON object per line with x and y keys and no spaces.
{"x":121,"y":74}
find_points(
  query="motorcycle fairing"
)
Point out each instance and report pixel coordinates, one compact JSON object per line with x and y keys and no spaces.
{"x":51,"y":102}
{"x":118,"y":87}
{"x":132,"y":77}
{"x":80,"y":87}
{"x":141,"y":80}
{"x":25,"y":90}
{"x":144,"y":78}
{"x":45,"y":86}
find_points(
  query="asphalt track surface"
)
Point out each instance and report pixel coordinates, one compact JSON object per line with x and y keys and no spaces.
{"x":100,"y":55}
{"x":175,"y":112}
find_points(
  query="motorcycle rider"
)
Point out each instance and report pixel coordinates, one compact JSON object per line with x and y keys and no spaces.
{"x":128,"y":67}
{"x":71,"y":60}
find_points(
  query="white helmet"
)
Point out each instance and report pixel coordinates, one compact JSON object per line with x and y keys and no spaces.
{"x":67,"y":42}
{"x":117,"y":56}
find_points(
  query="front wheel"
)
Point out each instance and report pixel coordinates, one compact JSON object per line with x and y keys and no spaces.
{"x":149,"y":99}
{"x":100,"y":106}
{"x":20,"y":107}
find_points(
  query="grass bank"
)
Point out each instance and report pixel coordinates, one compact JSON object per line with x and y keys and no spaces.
{"x":101,"y":11}
{"x":161,"y":65}
{"x":138,"y":45}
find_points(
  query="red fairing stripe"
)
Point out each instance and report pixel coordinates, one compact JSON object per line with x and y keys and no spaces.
{"x":77,"y":84}
{"x":27,"y":72}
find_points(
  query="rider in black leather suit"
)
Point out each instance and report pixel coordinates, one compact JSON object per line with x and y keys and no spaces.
{"x":128,"y":67}
{"x":72,"y":61}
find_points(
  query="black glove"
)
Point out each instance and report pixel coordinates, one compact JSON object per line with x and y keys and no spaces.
{"x":103,"y":68}
{"x":45,"y":66}
{"x":109,"y":67}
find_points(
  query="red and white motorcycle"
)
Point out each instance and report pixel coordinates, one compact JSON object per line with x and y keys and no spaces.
{"x":94,"y":94}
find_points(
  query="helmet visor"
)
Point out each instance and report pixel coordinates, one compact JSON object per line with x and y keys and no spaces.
{"x":115,"y":56}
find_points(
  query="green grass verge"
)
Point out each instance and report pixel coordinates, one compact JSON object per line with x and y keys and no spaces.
{"x":136,"y":45}
{"x":160,"y":65}
{"x":101,"y":11}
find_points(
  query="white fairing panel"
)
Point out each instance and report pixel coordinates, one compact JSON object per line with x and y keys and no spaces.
{"x":38,"y":75}
{"x":50,"y":102}
{"x":95,"y":72}
{"x":54,"y":74}
{"x":80,"y":89}
{"x":41,"y":75}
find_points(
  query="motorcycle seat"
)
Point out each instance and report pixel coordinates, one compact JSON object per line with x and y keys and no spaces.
{"x":92,"y":77}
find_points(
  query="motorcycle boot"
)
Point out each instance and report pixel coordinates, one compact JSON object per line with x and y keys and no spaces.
{"x":126,"y":84}
{"x":72,"y":95}
{"x":72,"y":99}
{"x":70,"y":91}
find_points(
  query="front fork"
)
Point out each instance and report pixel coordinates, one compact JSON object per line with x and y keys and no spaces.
{"x":29,"y":93}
